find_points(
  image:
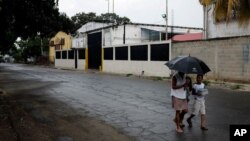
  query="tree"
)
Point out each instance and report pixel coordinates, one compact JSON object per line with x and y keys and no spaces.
{"x":226,"y":9}
{"x":30,"y":47}
{"x":26,"y":18}
{"x":82,"y":18}
{"x":112,"y":17}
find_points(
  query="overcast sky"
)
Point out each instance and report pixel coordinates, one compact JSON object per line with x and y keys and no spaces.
{"x":181,"y":12}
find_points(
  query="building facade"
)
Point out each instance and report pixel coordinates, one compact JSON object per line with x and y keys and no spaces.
{"x":127,"y":48}
{"x":60,"y":47}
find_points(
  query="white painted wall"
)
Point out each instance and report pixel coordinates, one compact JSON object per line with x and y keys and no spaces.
{"x":224,"y":29}
{"x":133,"y":34}
{"x":81,"y":64}
{"x":79,"y":41}
{"x":150,"y":68}
{"x":91,"y":26}
{"x":65,"y":63}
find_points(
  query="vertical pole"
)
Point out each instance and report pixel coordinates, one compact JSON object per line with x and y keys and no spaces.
{"x":172,"y":24}
{"x":113,"y":6}
{"x":205,"y":22}
{"x":41,"y":46}
{"x":166,"y":19}
{"x":124,"y":33}
{"x":108,"y":6}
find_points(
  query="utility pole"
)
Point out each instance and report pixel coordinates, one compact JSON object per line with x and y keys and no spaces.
{"x":113,"y":6}
{"x":108,"y":6}
{"x":41,"y":42}
{"x":41,"y":46}
{"x":172,"y":23}
{"x":166,"y":19}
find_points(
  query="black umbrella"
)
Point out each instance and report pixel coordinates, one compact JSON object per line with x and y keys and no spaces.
{"x":188,"y":64}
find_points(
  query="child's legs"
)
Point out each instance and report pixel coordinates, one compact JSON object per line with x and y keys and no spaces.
{"x":203,"y":112}
{"x":203,"y":108}
{"x":197,"y":107}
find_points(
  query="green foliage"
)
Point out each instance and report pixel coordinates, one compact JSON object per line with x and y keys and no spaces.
{"x":112,"y":17}
{"x":236,"y":87}
{"x":82,"y":18}
{"x":26,"y":18}
{"x":29,"y":48}
{"x":18,"y":55}
{"x":156,"y":78}
{"x":206,"y":82}
{"x":128,"y":75}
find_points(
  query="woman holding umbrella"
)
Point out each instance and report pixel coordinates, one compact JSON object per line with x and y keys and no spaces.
{"x":188,"y":65}
{"x":179,"y":101}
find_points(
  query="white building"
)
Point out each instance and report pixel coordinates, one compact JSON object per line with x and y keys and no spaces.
{"x":124,"y":48}
{"x":129,"y":48}
{"x":120,"y":34}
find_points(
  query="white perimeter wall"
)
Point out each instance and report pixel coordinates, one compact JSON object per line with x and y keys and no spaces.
{"x":150,"y":68}
{"x":81,"y":64}
{"x":70,"y":63}
{"x":155,"y":68}
{"x":65,"y":63}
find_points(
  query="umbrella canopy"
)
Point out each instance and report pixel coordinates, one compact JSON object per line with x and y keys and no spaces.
{"x":188,"y":64}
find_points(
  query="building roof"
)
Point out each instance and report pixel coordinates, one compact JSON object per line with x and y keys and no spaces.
{"x":110,"y":25}
{"x":188,"y":37}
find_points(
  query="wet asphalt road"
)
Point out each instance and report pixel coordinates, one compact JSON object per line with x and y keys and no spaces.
{"x":138,"y":107}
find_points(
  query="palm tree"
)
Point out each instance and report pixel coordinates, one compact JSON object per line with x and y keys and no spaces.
{"x":226,"y":9}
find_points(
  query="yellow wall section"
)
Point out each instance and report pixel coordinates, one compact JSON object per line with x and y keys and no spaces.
{"x":102,"y":57}
{"x":57,"y":40}
{"x":86,"y":58}
{"x":52,"y":54}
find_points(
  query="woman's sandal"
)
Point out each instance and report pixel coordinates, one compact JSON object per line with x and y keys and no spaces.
{"x":182,"y":125}
{"x":204,"y":128}
{"x":179,"y":130}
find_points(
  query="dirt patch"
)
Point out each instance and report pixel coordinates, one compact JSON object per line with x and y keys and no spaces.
{"x":25,"y":117}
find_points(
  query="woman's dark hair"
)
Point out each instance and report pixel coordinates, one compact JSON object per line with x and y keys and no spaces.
{"x":190,"y":85}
